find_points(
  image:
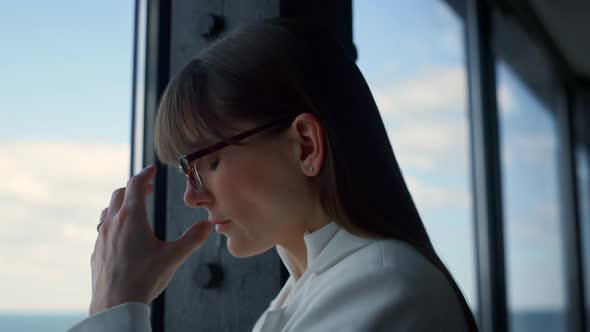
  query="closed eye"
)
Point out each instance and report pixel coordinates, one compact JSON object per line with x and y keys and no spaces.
{"x":213,"y":165}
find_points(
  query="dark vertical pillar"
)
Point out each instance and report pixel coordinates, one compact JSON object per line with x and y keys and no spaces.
{"x":333,"y":15}
{"x":150,"y":75}
{"x":486,"y":169}
{"x":572,"y":234}
{"x":581,"y":124}
{"x":212,"y":291}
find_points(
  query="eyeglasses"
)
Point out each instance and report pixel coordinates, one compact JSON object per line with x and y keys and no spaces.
{"x":191,"y":172}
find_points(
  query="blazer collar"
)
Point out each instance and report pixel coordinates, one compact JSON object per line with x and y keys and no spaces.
{"x":326,"y":247}
{"x":340,"y":245}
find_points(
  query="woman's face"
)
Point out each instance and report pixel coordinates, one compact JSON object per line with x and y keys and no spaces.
{"x":259,"y":188}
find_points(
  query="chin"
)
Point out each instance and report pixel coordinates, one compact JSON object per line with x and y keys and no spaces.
{"x":243,"y":250}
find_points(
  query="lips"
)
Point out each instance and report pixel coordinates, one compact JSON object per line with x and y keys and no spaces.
{"x":221,"y":225}
{"x":219,"y":222}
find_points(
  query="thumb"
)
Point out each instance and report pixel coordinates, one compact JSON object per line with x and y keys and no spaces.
{"x":191,"y":240}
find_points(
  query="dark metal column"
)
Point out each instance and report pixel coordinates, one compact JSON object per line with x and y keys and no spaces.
{"x":486,"y":169}
{"x":334,"y":15}
{"x":581,"y":125}
{"x":150,"y":75}
{"x":212,"y":291}
{"x":572,"y":235}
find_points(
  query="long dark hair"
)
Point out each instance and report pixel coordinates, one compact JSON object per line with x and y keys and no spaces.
{"x":277,"y":68}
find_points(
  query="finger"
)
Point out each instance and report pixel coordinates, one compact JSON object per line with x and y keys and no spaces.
{"x":136,"y":188}
{"x":103,"y":214}
{"x":149,"y":189}
{"x":116,"y":201}
{"x":102,"y":218}
{"x":191,"y":240}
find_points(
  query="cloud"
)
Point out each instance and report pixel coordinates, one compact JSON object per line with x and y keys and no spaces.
{"x":427,"y":123}
{"x":438,"y":90}
{"x":431,"y":137}
{"x":535,"y":149}
{"x":506,"y":101}
{"x":38,"y":168}
{"x":426,"y":119}
{"x":431,"y":197}
{"x":434,"y":91}
{"x":530,"y":151}
{"x":50,"y":201}
{"x":539,"y":224}
{"x":534,"y":246}
{"x":438,"y":147}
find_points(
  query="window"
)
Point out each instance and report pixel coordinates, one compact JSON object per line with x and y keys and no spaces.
{"x":582,"y":158}
{"x":64,"y":139}
{"x":527,"y":95}
{"x":412,"y":54}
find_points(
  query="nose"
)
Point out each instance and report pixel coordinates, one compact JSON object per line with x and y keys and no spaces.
{"x":193,"y":199}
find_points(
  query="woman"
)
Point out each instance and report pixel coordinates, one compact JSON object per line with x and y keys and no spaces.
{"x":291,"y":152}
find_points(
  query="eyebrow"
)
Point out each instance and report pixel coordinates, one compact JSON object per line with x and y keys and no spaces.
{"x":205,"y":142}
{"x":202,"y":144}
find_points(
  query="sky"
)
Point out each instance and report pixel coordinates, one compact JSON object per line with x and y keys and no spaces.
{"x":65,"y":132}
{"x":412,"y":55}
{"x":64,"y":140}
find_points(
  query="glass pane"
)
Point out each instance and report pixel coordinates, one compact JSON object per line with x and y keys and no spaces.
{"x":583,"y":178}
{"x":533,"y":234}
{"x":64,"y":141}
{"x":582,"y":158}
{"x":412,"y":55}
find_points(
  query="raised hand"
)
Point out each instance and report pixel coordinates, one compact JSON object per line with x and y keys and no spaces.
{"x":129,"y":264}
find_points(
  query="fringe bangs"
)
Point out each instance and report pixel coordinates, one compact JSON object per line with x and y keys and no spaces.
{"x":180,"y":125}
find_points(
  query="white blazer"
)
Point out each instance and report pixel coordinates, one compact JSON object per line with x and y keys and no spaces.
{"x":351,"y":284}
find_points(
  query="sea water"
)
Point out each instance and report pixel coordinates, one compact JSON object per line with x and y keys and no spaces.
{"x":529,"y":321}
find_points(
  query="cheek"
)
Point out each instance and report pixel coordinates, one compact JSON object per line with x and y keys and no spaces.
{"x":259,"y":189}
{"x":247,"y":198}
{"x":246,"y":188}
{"x":264,"y":197}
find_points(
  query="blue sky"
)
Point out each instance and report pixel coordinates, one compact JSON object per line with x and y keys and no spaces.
{"x":415,"y":66}
{"x":65,"y":101}
{"x":412,"y":55}
{"x":64,"y":139}
{"x":66,"y":69}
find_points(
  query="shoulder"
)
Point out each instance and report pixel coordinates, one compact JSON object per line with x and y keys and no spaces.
{"x":396,"y":261}
{"x":387,"y":283}
{"x":393,"y":264}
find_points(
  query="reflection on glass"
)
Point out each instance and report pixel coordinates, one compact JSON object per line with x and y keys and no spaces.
{"x":412,"y":55}
{"x":64,"y":142}
{"x":583,"y":179}
{"x":533,"y":236}
{"x":582,"y":158}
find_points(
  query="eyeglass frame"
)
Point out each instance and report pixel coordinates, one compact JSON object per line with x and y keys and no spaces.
{"x":187,"y":159}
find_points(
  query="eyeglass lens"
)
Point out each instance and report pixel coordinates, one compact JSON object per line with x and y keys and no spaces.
{"x":192,"y":175}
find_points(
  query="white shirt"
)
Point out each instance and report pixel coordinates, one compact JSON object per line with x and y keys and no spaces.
{"x":351,"y":284}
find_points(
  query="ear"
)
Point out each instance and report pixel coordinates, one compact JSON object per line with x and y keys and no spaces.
{"x":308,"y":133}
